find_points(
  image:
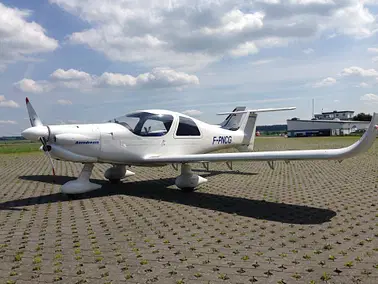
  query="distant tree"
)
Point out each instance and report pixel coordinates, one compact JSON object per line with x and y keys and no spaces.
{"x":362,"y":117}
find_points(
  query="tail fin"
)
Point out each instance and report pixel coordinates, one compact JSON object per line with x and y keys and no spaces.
{"x":245,"y":120}
{"x":232,"y":121}
{"x":248,"y":125}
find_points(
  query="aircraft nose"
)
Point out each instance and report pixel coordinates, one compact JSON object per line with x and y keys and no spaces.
{"x":34,"y":133}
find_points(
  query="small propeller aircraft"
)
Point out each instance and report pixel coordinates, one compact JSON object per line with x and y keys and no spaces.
{"x":159,"y":137}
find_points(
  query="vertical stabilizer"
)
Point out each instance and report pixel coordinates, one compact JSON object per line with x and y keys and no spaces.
{"x":233,"y":120}
{"x":245,"y":120}
{"x":248,"y":125}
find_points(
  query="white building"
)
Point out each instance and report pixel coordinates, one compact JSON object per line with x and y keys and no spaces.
{"x":342,"y":115}
{"x":299,"y":128}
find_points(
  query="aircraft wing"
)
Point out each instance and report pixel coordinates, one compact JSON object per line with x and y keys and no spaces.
{"x":362,"y":145}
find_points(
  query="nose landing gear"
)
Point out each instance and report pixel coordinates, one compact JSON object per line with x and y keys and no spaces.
{"x":82,"y":183}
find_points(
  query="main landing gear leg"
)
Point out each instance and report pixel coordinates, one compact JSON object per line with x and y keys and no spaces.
{"x":82,"y":183}
{"x":188,"y":181}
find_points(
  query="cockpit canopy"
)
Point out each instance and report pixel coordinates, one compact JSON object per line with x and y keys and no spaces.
{"x":146,"y":123}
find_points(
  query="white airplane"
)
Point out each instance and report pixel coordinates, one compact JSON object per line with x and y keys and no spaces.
{"x":159,"y":137}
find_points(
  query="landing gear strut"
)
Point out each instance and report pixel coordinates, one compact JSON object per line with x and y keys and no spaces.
{"x":188,"y":180}
{"x":82,"y":183}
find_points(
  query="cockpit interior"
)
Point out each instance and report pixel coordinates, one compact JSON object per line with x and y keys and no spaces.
{"x":146,"y":123}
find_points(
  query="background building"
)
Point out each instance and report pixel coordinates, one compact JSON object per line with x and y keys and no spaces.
{"x":326,"y":124}
{"x":342,"y":115}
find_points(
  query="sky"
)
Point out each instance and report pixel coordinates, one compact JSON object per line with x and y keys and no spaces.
{"x":88,"y":61}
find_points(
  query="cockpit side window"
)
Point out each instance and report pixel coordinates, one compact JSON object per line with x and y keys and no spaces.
{"x":146,"y":124}
{"x":187,"y":127}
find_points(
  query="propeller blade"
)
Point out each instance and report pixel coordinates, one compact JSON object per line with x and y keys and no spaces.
{"x":46,"y":148}
{"x":51,"y":162}
{"x":35,"y":121}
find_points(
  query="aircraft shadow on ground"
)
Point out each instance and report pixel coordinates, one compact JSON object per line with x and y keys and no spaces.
{"x":160,"y":190}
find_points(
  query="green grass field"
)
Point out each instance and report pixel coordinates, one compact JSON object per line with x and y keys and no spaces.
{"x":15,"y":147}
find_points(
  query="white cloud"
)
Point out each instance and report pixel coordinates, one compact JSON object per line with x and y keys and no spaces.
{"x":308,"y":51}
{"x":375,"y":59}
{"x":262,"y":61}
{"x":64,"y":102}
{"x":354,"y":20}
{"x":19,"y":38}
{"x":244,"y":49}
{"x":31,"y":86}
{"x":332,"y":35}
{"x":370,"y":2}
{"x":329,"y":81}
{"x":363,"y":85}
{"x":373,"y":49}
{"x":116,"y":80}
{"x":358,"y":71}
{"x":370,"y":98}
{"x":192,"y":112}
{"x":7,"y":103}
{"x":236,"y":21}
{"x":188,"y":35}
{"x":8,"y":122}
{"x":70,"y":74}
{"x":157,"y":78}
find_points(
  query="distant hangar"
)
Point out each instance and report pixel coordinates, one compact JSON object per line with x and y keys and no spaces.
{"x":326,"y":124}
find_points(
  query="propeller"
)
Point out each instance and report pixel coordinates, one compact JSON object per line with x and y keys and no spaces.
{"x":35,"y":121}
{"x":46,"y":149}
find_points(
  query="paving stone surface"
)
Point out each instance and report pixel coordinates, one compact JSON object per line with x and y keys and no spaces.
{"x":304,"y":222}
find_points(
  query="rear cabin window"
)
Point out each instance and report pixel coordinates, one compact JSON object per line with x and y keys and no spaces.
{"x":187,"y":127}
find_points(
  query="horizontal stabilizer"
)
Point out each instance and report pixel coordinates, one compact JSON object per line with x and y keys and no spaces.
{"x":257,"y":110}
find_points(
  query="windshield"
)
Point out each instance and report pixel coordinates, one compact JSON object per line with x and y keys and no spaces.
{"x":145,"y":123}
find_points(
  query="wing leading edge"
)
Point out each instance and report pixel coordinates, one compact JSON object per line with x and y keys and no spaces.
{"x":362,"y":145}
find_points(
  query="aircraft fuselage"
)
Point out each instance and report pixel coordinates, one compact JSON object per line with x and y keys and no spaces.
{"x":113,"y":143}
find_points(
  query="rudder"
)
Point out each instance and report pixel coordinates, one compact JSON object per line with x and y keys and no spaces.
{"x":248,"y":125}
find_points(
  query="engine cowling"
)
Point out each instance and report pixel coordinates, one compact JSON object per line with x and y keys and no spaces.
{"x":61,"y":153}
{"x":71,"y":139}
